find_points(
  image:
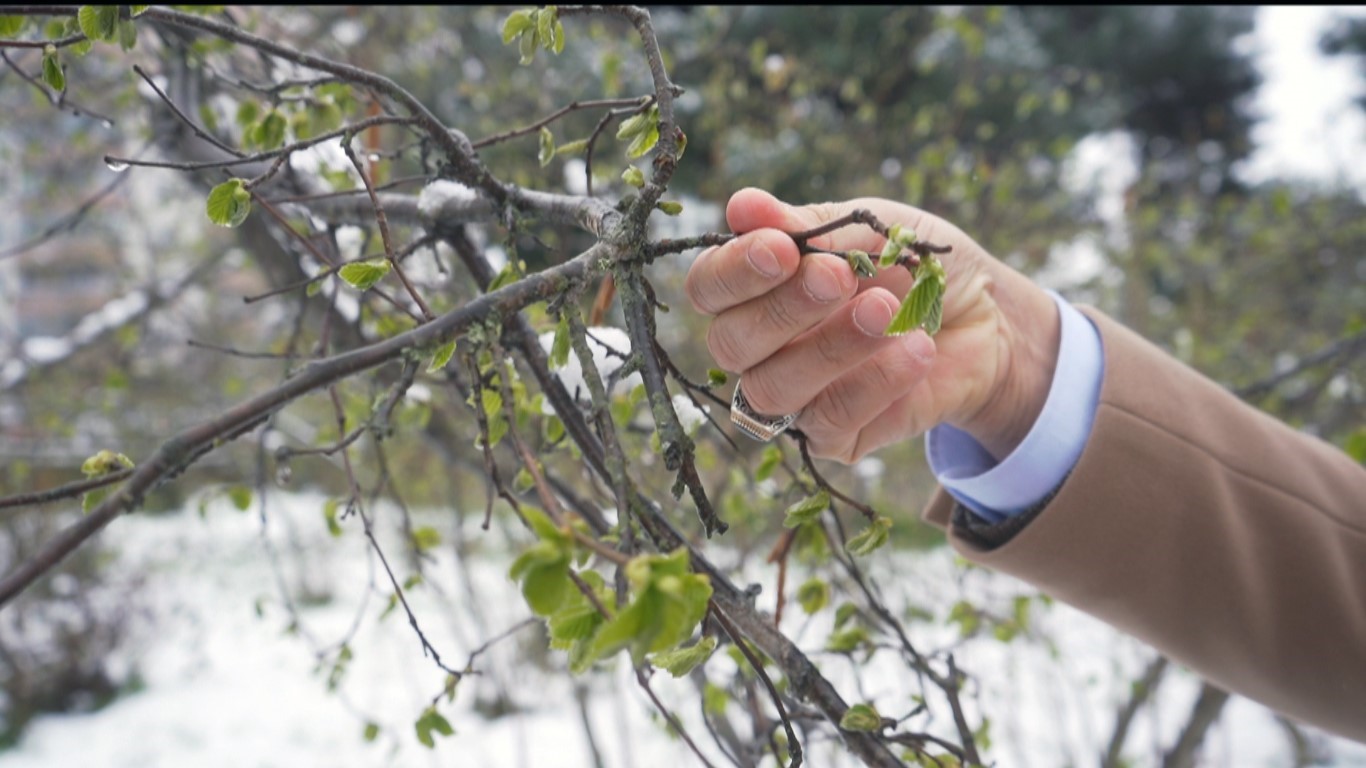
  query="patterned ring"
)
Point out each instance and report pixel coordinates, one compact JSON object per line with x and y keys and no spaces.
{"x":757,"y":425}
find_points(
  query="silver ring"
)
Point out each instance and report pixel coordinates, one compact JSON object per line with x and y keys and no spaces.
{"x":757,"y":425}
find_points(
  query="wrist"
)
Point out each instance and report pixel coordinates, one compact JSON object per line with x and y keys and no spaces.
{"x":1029,"y":335}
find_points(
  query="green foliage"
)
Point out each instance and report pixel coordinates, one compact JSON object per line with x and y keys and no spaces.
{"x":532,"y":29}
{"x":429,"y":723}
{"x":667,"y":603}
{"x":870,"y":538}
{"x":860,"y":262}
{"x":861,"y":717}
{"x":559,"y":347}
{"x":547,"y":147}
{"x":923,"y":307}
{"x":11,"y":26}
{"x":240,"y":496}
{"x":105,"y":462}
{"x":681,"y":661}
{"x":807,"y":510}
{"x":99,"y":22}
{"x":229,"y":203}
{"x":768,"y":461}
{"x":813,"y":595}
{"x":362,"y":275}
{"x":633,"y":176}
{"x":441,"y":357}
{"x":52,"y":69}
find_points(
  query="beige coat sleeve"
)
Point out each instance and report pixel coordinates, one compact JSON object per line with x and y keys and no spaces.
{"x":1222,"y":537}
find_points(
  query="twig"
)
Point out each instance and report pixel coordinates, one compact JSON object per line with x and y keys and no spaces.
{"x":70,"y":490}
{"x":572,"y":106}
{"x":192,"y":125}
{"x":794,"y":747}
{"x":384,"y":228}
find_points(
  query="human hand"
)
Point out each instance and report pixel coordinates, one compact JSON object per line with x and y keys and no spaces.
{"x":807,"y":335}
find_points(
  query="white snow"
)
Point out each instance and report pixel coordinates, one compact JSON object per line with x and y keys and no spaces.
{"x":442,"y":193}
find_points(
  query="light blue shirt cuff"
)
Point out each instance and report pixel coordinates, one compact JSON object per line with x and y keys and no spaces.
{"x":1038,"y":465}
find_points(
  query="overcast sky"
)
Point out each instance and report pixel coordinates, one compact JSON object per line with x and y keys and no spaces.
{"x":1312,"y":127}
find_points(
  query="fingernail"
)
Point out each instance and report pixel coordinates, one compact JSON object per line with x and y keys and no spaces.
{"x":872,"y":315}
{"x":761,"y":257}
{"x":820,"y":283}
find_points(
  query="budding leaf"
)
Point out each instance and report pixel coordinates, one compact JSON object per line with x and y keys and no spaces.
{"x":890,"y":252}
{"x":547,"y":152}
{"x":442,"y":356}
{"x":52,"y":69}
{"x":527,"y":47}
{"x":813,"y":595}
{"x":105,"y":462}
{"x":559,"y":349}
{"x":270,"y":132}
{"x":517,"y":22}
{"x":240,"y":496}
{"x":572,"y":147}
{"x":229,"y":203}
{"x":371,"y":731}
{"x":715,"y":377}
{"x":98,"y":22}
{"x":633,"y":176}
{"x":861,"y":263}
{"x":872,"y":537}
{"x":128,"y":35}
{"x":426,"y":538}
{"x":558,"y":48}
{"x":861,"y":717}
{"x":681,"y":661}
{"x":545,"y":26}
{"x":670,"y":207}
{"x":807,"y":509}
{"x":362,"y":275}
{"x":643,"y":142}
{"x":10,"y":26}
{"x":924,"y":305}
{"x":634,"y":125}
{"x":772,"y":456}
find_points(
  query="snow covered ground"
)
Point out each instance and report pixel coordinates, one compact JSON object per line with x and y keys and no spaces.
{"x":226,"y":687}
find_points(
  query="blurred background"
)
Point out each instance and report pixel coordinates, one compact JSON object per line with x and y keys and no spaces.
{"x":1196,"y":172}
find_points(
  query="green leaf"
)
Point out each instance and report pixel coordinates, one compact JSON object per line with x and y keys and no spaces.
{"x":889,"y":254}
{"x":846,"y":640}
{"x":516,"y":23}
{"x":330,"y":515}
{"x":52,"y":69}
{"x":240,"y":496}
{"x":229,"y":203}
{"x":572,"y":147}
{"x":362,"y":275}
{"x":872,"y":537}
{"x":105,"y":462}
{"x":442,"y":356}
{"x":558,"y":48}
{"x":248,"y":112}
{"x":526,"y":46}
{"x":270,"y":132}
{"x":128,"y":35}
{"x":924,"y":305}
{"x":633,"y":176}
{"x":545,"y":26}
{"x":92,"y":499}
{"x":769,"y":461}
{"x":807,"y":509}
{"x":861,"y":717}
{"x":844,"y":613}
{"x":98,"y":22}
{"x":547,"y":151}
{"x":643,"y":143}
{"x":545,"y":528}
{"x":574,"y":623}
{"x":426,"y":538}
{"x":636,"y":124}
{"x":670,"y":207}
{"x":813,"y":595}
{"x":559,"y":349}
{"x":11,"y":26}
{"x":714,"y":699}
{"x":506,"y":276}
{"x":432,"y":721}
{"x":681,"y":661}
{"x":371,"y":731}
{"x":861,"y":263}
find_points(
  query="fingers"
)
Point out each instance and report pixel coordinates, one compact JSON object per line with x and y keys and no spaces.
{"x":802,"y":373}
{"x":751,"y":209}
{"x":744,"y":268}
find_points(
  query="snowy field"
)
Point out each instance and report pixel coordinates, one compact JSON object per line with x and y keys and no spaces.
{"x":226,"y":687}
